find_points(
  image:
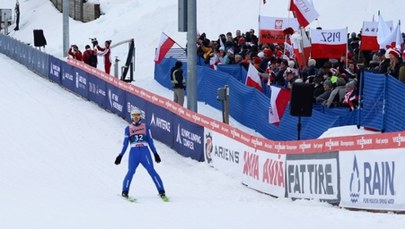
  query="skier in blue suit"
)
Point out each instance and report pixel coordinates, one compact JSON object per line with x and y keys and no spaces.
{"x":138,"y":135}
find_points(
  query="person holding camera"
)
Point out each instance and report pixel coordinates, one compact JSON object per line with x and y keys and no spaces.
{"x":106,"y":52}
{"x":75,"y":53}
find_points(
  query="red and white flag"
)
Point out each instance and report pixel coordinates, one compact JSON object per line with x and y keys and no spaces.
{"x":278,"y":103}
{"x":369,"y":36}
{"x":253,"y":78}
{"x":271,"y":29}
{"x":165,"y":45}
{"x":383,"y":30}
{"x":302,"y":47}
{"x":304,"y":11}
{"x":328,"y":43}
{"x":393,"y":40}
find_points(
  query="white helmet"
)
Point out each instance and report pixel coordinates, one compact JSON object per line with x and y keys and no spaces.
{"x":135,"y":111}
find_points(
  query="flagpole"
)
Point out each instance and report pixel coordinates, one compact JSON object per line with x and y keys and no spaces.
{"x":302,"y":30}
{"x":288,"y":20}
{"x":175,"y":42}
{"x":347,"y":48}
{"x":258,"y":18}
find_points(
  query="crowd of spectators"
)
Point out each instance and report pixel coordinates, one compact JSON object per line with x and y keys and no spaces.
{"x":335,"y":81}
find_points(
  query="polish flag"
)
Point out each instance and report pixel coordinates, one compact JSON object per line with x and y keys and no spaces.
{"x":278,"y":103}
{"x":304,"y":11}
{"x":302,"y":47}
{"x":328,"y":43}
{"x":164,"y":46}
{"x":369,"y":36}
{"x":253,"y":78}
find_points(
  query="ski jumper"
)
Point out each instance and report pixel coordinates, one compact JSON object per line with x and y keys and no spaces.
{"x":138,"y":136}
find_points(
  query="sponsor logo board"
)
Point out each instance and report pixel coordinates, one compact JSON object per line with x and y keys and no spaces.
{"x":371,"y":179}
{"x":313,"y":176}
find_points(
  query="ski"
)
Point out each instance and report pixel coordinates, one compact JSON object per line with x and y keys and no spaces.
{"x":129,"y":198}
{"x":164,"y":198}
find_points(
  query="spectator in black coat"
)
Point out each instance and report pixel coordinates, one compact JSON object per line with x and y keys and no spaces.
{"x":178,"y":83}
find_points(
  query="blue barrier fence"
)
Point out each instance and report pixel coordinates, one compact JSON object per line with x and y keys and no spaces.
{"x":249,"y":106}
{"x":383,"y":103}
{"x":107,"y":96}
{"x":381,"y":107}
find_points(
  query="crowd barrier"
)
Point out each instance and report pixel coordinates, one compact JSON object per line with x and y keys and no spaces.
{"x":251,"y":107}
{"x":381,"y":107}
{"x":357,"y":172}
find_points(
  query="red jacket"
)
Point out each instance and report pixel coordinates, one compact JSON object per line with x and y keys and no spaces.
{"x":76,"y":55}
{"x":106,"y":52}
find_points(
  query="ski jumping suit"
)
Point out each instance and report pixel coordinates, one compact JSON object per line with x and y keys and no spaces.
{"x":139,"y":137}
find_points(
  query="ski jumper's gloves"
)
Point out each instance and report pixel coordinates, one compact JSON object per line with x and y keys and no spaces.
{"x":157,"y":158}
{"x":118,"y":160}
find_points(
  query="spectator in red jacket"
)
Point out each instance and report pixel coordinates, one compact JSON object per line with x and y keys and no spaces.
{"x":75,"y":53}
{"x":90,"y":56}
{"x":106,"y":52}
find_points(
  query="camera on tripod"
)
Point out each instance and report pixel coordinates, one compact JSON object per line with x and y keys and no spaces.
{"x":94,"y":42}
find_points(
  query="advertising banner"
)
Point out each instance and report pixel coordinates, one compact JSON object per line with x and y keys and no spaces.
{"x":372,"y":179}
{"x":55,"y":69}
{"x":41,"y":63}
{"x":68,"y":77}
{"x":81,"y":84}
{"x":224,"y":153}
{"x":188,"y":138}
{"x":133,"y":101}
{"x":264,"y":172}
{"x":116,"y":100}
{"x":313,"y":176}
{"x":97,"y":91}
{"x":161,"y":124}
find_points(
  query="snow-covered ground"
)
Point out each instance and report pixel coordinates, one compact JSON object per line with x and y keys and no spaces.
{"x":57,"y":150}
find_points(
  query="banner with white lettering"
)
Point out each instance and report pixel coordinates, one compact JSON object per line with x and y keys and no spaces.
{"x":188,"y":138}
{"x":329,"y":43}
{"x":369,"y":36}
{"x":372,"y":179}
{"x":97,"y":91}
{"x":116,"y":100}
{"x":68,"y":77}
{"x":313,"y":176}
{"x":81,"y":84}
{"x":160,"y":123}
{"x":55,"y":69}
{"x":224,"y":153}
{"x":271,"y":28}
{"x":264,"y":172}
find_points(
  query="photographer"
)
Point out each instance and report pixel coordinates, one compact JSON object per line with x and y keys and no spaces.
{"x":106,"y":52}
{"x":75,"y":53}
